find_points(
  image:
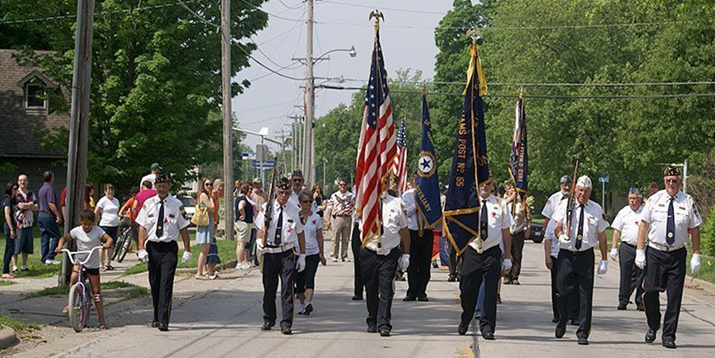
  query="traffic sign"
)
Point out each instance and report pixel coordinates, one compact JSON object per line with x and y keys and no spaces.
{"x":263,"y":164}
{"x":248,"y":156}
{"x":603,"y":179}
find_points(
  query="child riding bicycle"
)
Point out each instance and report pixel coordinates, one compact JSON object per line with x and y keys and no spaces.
{"x":88,"y":236}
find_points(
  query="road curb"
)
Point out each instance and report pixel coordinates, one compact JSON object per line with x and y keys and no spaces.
{"x":7,"y":337}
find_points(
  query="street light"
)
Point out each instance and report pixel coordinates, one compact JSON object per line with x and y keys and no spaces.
{"x":309,"y":138}
{"x":262,"y":133}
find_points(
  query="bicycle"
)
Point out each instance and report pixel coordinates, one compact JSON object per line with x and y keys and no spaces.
{"x":80,"y":296}
{"x":124,"y":242}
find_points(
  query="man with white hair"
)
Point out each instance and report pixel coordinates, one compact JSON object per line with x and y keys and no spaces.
{"x":576,"y":256}
{"x":665,"y":222}
{"x":625,"y":226}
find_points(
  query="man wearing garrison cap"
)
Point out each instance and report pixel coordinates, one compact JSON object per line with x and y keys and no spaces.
{"x":667,"y":218}
{"x":283,"y":255}
{"x":576,"y":256}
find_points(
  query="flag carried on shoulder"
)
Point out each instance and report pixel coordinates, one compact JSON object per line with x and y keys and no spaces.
{"x":376,"y":148}
{"x":470,"y":165}
{"x":399,"y":167}
{"x":427,"y":191}
{"x":518,"y":161}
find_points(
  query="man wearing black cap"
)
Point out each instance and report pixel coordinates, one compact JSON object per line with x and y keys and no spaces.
{"x":161,"y":221}
{"x":283,"y":255}
{"x":665,"y":221}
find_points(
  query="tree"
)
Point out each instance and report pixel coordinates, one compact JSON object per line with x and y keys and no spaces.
{"x":155,"y":79}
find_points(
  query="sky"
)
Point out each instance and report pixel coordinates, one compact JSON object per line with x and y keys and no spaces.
{"x":407,"y":38}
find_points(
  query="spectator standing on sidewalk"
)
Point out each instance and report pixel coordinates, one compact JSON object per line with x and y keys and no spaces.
{"x":27,"y":205}
{"x":49,"y":219}
{"x":212,"y":258}
{"x":204,"y":233}
{"x":343,"y":202}
{"x":244,"y":226}
{"x":107,"y":212}
{"x":9,"y":203}
{"x":145,"y":193}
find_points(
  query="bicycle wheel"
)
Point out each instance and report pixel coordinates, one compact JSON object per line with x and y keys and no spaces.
{"x":118,"y":244}
{"x":124,"y":249}
{"x":77,"y":301}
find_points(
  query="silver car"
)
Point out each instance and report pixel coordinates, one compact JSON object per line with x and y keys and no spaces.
{"x":189,"y":206}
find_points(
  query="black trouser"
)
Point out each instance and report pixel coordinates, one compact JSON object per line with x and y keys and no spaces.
{"x":517,"y":249}
{"x":162,"y":267}
{"x":378,"y":271}
{"x":418,"y":273}
{"x":356,"y":246}
{"x":306,"y":279}
{"x":573,"y":304}
{"x":575,"y":273}
{"x":9,"y":249}
{"x":631,"y":276}
{"x":275,"y":266}
{"x":664,"y":271}
{"x":475,"y":268}
{"x":453,"y":260}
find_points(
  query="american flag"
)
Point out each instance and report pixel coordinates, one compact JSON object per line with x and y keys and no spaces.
{"x":376,"y":149}
{"x":399,"y":166}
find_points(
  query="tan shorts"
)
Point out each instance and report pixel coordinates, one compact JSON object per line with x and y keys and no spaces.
{"x":243,"y":231}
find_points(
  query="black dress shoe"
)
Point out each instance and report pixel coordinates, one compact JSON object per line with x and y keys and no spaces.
{"x":650,"y":335}
{"x":555,"y":320}
{"x":154,"y":324}
{"x":423,"y":299}
{"x":267,"y":326}
{"x":560,"y":331}
{"x":621,"y":307}
{"x":384,"y":332}
{"x":574,"y":322}
{"x":488,"y":335}
{"x":640,"y":307}
{"x":308,"y":309}
{"x":357,"y":298}
{"x":286,"y":329}
{"x":451,"y":278}
{"x":371,"y":329}
{"x":669,"y":344}
{"x":409,"y":299}
{"x":582,"y":341}
{"x":462,"y":329}
{"x":163,"y":327}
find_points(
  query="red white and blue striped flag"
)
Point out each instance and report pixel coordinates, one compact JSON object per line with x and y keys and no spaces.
{"x":377,"y":146}
{"x":399,"y":166}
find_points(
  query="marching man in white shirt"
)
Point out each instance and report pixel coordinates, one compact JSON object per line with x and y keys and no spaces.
{"x":482,"y":260}
{"x":625,"y":226}
{"x":665,"y":222}
{"x":576,"y":257}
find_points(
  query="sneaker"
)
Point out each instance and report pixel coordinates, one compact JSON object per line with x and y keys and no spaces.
{"x":24,"y":268}
{"x":54,"y":262}
{"x":301,"y":309}
{"x":335,"y":259}
{"x":15,"y":270}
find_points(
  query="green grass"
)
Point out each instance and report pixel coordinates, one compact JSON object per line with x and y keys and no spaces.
{"x":707,"y":268}
{"x":16,"y":324}
{"x":226,"y":251}
{"x":6,"y":283}
{"x":63,"y":290}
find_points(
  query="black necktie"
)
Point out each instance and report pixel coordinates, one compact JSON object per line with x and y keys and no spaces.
{"x":160,"y":220}
{"x":484,"y":224}
{"x":670,"y":228}
{"x":579,"y":234}
{"x":279,"y":227}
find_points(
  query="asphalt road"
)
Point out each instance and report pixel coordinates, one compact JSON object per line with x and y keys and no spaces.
{"x":222,"y":318}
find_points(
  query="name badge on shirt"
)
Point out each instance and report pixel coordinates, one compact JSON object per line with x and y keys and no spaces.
{"x":171,"y":216}
{"x":661,"y":205}
{"x":290,"y":221}
{"x":151,"y":215}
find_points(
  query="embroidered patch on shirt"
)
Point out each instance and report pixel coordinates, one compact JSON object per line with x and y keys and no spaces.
{"x":172,"y":216}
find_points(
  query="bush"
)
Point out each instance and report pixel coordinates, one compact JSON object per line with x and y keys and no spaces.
{"x":707,"y":235}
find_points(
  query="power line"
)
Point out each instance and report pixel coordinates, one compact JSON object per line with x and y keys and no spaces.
{"x":383,"y":8}
{"x":255,"y":7}
{"x":290,"y":7}
{"x":645,"y":96}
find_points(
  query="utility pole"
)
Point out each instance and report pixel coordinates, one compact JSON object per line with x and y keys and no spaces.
{"x":79,"y":123}
{"x":308,"y":148}
{"x":295,"y":134}
{"x":227,"y":118}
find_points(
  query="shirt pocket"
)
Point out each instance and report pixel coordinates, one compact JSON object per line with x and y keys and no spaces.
{"x":592,"y":222}
{"x":659,"y":215}
{"x":393,"y":221}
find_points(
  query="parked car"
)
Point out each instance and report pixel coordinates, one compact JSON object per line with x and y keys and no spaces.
{"x":189,"y":206}
{"x":537,"y":232}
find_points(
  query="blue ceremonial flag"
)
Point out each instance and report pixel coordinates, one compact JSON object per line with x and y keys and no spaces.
{"x":518,"y":161}
{"x":470,"y":164}
{"x":427,"y":191}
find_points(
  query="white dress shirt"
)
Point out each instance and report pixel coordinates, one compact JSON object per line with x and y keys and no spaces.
{"x":594,"y":223}
{"x":655,"y":213}
{"x":498,"y":219}
{"x":393,"y":219}
{"x":291,"y":227}
{"x":413,"y":216}
{"x":552,"y":203}
{"x":627,"y":223}
{"x":174,"y":218}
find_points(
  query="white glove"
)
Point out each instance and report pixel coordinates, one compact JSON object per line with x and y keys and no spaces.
{"x":564,"y":239}
{"x":614,"y":254}
{"x":695,"y":263}
{"x":186,"y":257}
{"x":143,"y":255}
{"x":404,"y":262}
{"x":300,"y":263}
{"x":640,"y":259}
{"x":603,"y":267}
{"x":506,"y":265}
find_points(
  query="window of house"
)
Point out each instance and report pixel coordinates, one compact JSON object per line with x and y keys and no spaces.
{"x":35,"y":96}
